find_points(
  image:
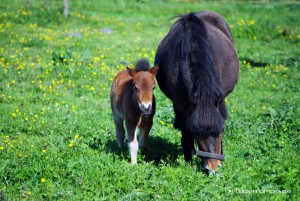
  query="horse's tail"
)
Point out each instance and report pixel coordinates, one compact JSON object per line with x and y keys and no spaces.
{"x":142,"y":65}
{"x":198,"y":72}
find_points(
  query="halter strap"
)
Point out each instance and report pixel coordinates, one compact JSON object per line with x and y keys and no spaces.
{"x":210,"y":155}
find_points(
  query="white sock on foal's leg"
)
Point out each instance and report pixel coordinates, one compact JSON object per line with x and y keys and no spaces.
{"x":133,"y":148}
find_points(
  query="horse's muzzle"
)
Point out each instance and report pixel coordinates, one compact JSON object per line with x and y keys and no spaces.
{"x":211,"y":161}
{"x":211,"y":152}
{"x":146,"y":109}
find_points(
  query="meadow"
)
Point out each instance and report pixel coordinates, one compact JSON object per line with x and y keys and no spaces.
{"x":57,"y":139}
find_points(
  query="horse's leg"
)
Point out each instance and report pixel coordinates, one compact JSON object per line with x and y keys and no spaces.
{"x":133,"y":143}
{"x":144,"y":134}
{"x":187,"y":143}
{"x":120,"y":131}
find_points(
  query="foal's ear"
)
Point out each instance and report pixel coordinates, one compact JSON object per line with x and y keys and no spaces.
{"x":154,"y":70}
{"x":131,"y":71}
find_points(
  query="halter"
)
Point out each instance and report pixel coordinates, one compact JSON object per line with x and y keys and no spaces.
{"x":210,"y":155}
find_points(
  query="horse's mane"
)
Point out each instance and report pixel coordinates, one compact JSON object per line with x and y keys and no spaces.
{"x":142,"y":65}
{"x":191,"y":50}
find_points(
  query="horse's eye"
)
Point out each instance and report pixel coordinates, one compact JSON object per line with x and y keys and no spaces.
{"x":153,"y":88}
{"x":135,"y":88}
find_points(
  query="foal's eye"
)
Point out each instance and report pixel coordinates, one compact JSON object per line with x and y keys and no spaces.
{"x":135,"y":88}
{"x":153,"y":88}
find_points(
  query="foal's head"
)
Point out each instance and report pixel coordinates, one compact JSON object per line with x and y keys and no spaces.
{"x":143,"y":87}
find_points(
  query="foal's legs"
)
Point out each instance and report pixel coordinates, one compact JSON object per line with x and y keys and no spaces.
{"x":133,"y":143}
{"x":143,"y":138}
{"x":144,"y":134}
{"x":120,"y":131}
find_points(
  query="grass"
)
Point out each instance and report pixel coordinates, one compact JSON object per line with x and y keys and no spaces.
{"x":56,"y":130}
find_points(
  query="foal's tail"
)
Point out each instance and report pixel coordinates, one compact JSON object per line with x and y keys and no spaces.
{"x":142,"y":65}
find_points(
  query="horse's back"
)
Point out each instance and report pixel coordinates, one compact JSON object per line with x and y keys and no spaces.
{"x":215,"y":20}
{"x":223,"y":52}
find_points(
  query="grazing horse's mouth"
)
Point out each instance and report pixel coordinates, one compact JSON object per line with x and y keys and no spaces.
{"x":211,"y":153}
{"x":210,"y":161}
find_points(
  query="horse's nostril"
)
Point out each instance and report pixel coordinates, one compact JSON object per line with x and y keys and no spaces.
{"x":208,"y":171}
{"x":146,"y":108}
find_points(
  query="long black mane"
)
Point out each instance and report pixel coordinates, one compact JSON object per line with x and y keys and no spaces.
{"x":189,"y":49}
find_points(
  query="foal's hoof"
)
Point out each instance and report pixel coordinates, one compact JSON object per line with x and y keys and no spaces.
{"x":133,"y":161}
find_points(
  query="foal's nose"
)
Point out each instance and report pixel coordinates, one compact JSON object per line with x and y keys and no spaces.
{"x":146,"y":107}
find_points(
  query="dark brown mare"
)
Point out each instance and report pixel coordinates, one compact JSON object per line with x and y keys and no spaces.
{"x":198,"y":68}
{"x":132,"y":101}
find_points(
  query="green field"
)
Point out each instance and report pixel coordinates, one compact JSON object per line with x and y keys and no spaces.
{"x":57,"y":138}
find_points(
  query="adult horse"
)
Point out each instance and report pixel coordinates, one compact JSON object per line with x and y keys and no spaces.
{"x":198,"y":69}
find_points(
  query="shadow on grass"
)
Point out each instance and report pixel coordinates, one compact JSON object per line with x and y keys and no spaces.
{"x":158,"y":150}
{"x":286,"y":61}
{"x":254,"y":63}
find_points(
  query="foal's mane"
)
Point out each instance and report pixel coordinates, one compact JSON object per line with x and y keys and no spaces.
{"x":142,"y":65}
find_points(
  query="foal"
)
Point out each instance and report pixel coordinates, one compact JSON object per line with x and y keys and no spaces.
{"x":132,"y":100}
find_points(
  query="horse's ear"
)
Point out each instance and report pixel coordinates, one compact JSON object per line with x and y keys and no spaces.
{"x":154,"y":70}
{"x":131,"y":71}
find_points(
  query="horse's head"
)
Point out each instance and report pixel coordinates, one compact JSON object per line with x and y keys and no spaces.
{"x":210,"y":152}
{"x":143,"y":86}
{"x":206,"y":123}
